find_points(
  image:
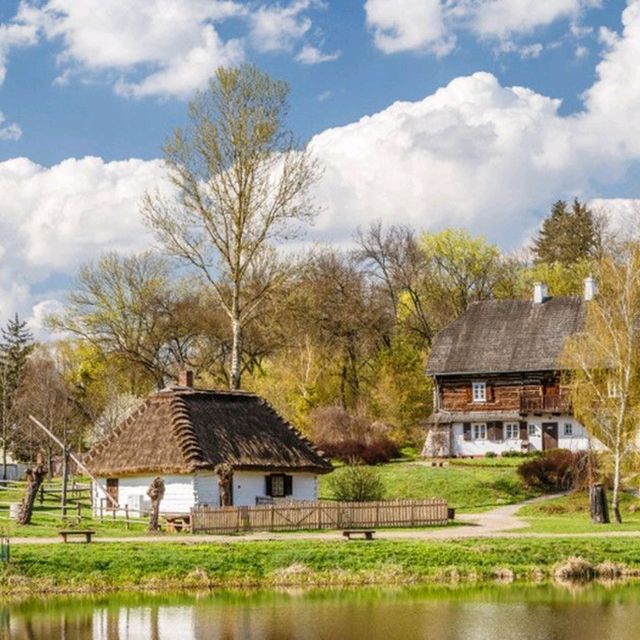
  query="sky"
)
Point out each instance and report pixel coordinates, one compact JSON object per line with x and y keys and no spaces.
{"x":470,"y":113}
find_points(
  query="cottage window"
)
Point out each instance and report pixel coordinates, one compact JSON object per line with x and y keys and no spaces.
{"x":511,"y":431}
{"x":568,"y":429}
{"x":479,"y":391}
{"x":613,"y":389}
{"x":279,"y":485}
{"x":479,"y":431}
{"x":533,"y":430}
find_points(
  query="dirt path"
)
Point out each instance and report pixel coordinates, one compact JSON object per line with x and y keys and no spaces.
{"x":501,"y":522}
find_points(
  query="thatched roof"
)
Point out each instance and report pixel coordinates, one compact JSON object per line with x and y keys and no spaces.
{"x":500,"y":336}
{"x":180,"y":430}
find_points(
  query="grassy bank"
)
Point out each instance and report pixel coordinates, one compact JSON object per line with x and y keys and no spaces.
{"x":107,"y":567}
{"x":468,"y":485}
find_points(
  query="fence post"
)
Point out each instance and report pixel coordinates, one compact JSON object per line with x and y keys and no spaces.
{"x":126,"y":515}
{"x":101,"y":510}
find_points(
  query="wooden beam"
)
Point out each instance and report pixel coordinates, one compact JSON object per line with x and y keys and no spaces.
{"x":75,"y":459}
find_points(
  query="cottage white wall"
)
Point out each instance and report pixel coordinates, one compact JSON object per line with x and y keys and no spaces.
{"x":247,"y":485}
{"x":207,"y":493}
{"x":577,"y":441}
{"x":179,"y":494}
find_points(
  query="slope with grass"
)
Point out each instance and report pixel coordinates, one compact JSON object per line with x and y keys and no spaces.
{"x":468,"y":485}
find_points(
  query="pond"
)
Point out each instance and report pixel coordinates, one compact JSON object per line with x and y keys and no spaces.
{"x":513,"y":612}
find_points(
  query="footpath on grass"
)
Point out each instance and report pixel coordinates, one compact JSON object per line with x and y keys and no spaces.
{"x":501,"y":522}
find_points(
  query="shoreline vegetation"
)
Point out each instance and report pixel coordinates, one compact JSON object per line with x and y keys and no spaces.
{"x":163,"y":567}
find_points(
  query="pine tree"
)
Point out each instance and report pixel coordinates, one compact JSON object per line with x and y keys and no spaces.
{"x":568,"y":235}
{"x":16,"y":343}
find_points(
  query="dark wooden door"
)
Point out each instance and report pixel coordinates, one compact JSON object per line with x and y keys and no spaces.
{"x":549,"y":435}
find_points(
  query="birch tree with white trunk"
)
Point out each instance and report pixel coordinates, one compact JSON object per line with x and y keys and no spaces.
{"x":604,"y":360}
{"x":240,"y":184}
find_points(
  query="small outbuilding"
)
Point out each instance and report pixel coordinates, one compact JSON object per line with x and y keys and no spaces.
{"x":211,"y":448}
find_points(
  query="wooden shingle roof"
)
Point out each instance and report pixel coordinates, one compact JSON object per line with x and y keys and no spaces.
{"x":500,"y":336}
{"x":180,"y":430}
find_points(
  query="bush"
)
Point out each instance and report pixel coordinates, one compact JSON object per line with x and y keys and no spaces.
{"x":357,"y":483}
{"x":347,"y":437}
{"x":559,"y":470}
{"x":491,"y":454}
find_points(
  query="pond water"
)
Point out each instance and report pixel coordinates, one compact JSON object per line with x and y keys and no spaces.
{"x":511,"y":612}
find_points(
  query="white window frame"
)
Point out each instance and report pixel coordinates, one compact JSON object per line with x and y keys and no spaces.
{"x":532,"y":430}
{"x":479,"y":391}
{"x":511,"y":431}
{"x":568,"y":430}
{"x":479,"y":431}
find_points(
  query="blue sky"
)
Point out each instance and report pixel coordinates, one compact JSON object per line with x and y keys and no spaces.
{"x":92,"y":87}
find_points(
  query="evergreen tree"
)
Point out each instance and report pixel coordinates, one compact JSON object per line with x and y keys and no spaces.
{"x":16,"y":343}
{"x":568,"y":235}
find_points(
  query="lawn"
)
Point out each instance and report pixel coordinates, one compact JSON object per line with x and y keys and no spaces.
{"x":102,"y":566}
{"x":570,"y":514}
{"x":468,"y":485}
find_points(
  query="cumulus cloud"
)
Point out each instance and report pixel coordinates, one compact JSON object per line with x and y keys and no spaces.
{"x":10,"y":131}
{"x":432,"y":25}
{"x":277,"y":28}
{"x":408,"y":25}
{"x":484,"y":156}
{"x":53,"y":219}
{"x":312,"y":55}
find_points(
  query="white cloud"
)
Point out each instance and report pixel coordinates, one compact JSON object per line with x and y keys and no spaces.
{"x":523,"y":51}
{"x":408,"y":25}
{"x":480,"y":155}
{"x":277,"y":28}
{"x":15,"y":35}
{"x":312,"y":55}
{"x":9,"y":131}
{"x":53,"y":219}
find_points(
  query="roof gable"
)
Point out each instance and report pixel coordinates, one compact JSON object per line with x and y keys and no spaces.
{"x":499,"y":336}
{"x":180,"y":430}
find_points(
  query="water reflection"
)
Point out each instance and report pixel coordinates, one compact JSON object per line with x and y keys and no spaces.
{"x":511,"y":612}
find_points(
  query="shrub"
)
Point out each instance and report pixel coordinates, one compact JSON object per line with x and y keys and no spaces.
{"x":491,"y":454}
{"x":559,"y":470}
{"x":374,"y":452}
{"x":357,"y":483}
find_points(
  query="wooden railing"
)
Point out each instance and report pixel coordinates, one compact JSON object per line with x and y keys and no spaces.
{"x":319,"y":515}
{"x":553,"y":403}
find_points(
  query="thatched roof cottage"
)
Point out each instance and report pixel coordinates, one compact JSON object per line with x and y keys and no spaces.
{"x":210,"y":447}
{"x":498,"y":377}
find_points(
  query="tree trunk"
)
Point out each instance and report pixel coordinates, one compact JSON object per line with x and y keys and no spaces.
{"x":599,"y":508}
{"x":615,"y":501}
{"x":34,"y":480}
{"x":236,"y":351}
{"x":156,"y":493}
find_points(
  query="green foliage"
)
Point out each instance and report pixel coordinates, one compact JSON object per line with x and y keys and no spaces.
{"x":568,"y":235}
{"x":357,"y":483}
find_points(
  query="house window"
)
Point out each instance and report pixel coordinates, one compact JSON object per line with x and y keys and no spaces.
{"x":568,"y":429}
{"x":511,"y":431}
{"x":533,"y":430}
{"x":112,"y":490}
{"x":479,"y":431}
{"x":479,"y":391}
{"x":279,"y":485}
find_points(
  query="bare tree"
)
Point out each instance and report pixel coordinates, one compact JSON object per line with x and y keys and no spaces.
{"x":35,"y":476}
{"x":240,"y":182}
{"x":156,"y":493}
{"x":605,"y":361}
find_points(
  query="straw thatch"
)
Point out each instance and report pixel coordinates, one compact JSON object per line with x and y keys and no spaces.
{"x":180,"y":430}
{"x":501,"y":336}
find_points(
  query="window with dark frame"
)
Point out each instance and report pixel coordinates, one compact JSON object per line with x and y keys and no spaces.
{"x":279,"y":485}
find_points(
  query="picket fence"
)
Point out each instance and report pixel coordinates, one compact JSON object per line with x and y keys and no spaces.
{"x":294,"y":516}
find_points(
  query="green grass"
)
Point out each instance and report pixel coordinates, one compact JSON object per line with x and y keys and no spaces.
{"x":468,"y":485}
{"x":110,"y":566}
{"x":570,"y":514}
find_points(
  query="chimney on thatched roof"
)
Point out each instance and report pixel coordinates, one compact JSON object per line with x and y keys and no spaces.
{"x":185,"y":378}
{"x":590,"y":288}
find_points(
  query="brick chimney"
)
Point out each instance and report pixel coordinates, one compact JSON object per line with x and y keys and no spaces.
{"x":540,"y":293}
{"x":185,"y":378}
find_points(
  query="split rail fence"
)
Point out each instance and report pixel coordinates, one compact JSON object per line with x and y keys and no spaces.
{"x":319,"y":515}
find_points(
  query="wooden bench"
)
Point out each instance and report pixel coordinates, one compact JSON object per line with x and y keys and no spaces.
{"x":77,"y":532}
{"x":367,"y":534}
{"x":177,"y":523}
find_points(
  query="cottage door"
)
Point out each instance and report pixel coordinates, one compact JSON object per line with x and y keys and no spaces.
{"x":549,"y":435}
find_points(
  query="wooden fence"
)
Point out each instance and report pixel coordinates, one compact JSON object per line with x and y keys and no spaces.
{"x":319,"y":515}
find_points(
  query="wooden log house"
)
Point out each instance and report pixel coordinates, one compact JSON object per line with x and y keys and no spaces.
{"x":497,"y":378}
